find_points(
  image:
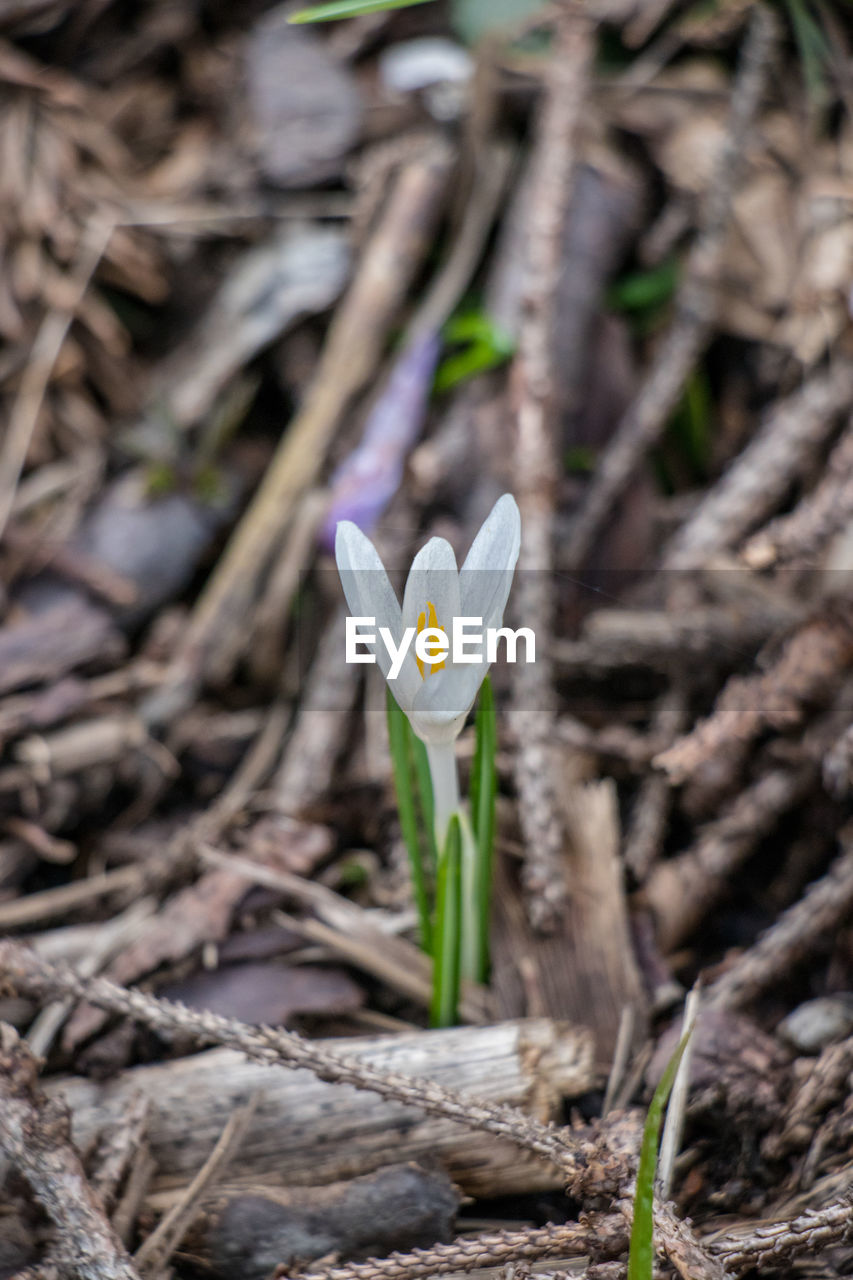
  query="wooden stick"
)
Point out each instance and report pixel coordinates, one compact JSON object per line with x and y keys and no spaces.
{"x":33,"y":1135}
{"x":156,"y":1250}
{"x":305,"y":1131}
{"x":532,"y":386}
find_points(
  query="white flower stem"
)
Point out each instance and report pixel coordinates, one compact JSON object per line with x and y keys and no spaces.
{"x":445,"y":787}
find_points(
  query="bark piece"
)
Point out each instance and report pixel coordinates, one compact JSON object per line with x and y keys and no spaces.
{"x":305,"y":1131}
{"x":51,"y":644}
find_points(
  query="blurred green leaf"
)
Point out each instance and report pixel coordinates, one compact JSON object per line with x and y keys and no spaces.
{"x":353,"y":875}
{"x":580,"y":458}
{"x":208,"y":484}
{"x":483,"y":345}
{"x":645,"y":289}
{"x":348,"y":9}
{"x":160,"y":478}
{"x":690,"y":425}
{"x":813,"y":49}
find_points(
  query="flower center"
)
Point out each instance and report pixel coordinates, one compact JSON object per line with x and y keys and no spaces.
{"x":428,"y":619}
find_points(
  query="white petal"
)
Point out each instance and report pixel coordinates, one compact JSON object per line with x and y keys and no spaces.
{"x":433,"y":579}
{"x":486,"y":575}
{"x":497,"y":543}
{"x":370,"y":594}
{"x":363,"y":577}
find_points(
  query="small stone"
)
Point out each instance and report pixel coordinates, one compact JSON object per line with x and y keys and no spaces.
{"x":818,"y":1023}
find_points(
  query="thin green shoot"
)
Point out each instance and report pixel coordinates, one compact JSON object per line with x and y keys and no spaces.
{"x":448,"y":924}
{"x":641,"y":1253}
{"x":483,"y":793}
{"x":690,"y":427}
{"x":338,"y":9}
{"x":402,"y":765}
{"x":644,"y":290}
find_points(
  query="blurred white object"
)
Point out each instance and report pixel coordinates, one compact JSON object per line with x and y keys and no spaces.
{"x":818,"y":1023}
{"x":436,"y":67}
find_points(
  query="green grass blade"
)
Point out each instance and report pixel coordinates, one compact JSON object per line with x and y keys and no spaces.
{"x":813,"y":49}
{"x":483,"y":790}
{"x":348,"y":9}
{"x":644,"y":289}
{"x":641,"y":1254}
{"x":448,"y":922}
{"x":399,"y":740}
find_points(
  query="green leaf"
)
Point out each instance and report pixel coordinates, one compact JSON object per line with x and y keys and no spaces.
{"x":448,"y":929}
{"x":484,"y":345}
{"x":690,"y":425}
{"x":641,"y":1254}
{"x":580,"y":459}
{"x":484,"y":786}
{"x":400,"y":742}
{"x":813,"y":49}
{"x":348,"y":9}
{"x":645,"y":289}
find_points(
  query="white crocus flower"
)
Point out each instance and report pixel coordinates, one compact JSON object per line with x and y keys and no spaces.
{"x":437,"y":698}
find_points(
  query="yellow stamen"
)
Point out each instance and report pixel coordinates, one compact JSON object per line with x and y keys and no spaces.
{"x":429,"y":619}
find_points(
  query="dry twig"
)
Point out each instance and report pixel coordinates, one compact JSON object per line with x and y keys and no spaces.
{"x":803,"y":533}
{"x":778,"y":1243}
{"x":34,"y":1137}
{"x":153,"y":1254}
{"x":801,"y":929}
{"x":793,"y":431}
{"x":644,"y":837}
{"x":31,"y":975}
{"x":598,"y":1236}
{"x":807,"y":672}
{"x":533,"y":392}
{"x":683,"y":889}
{"x":822,"y":1087}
